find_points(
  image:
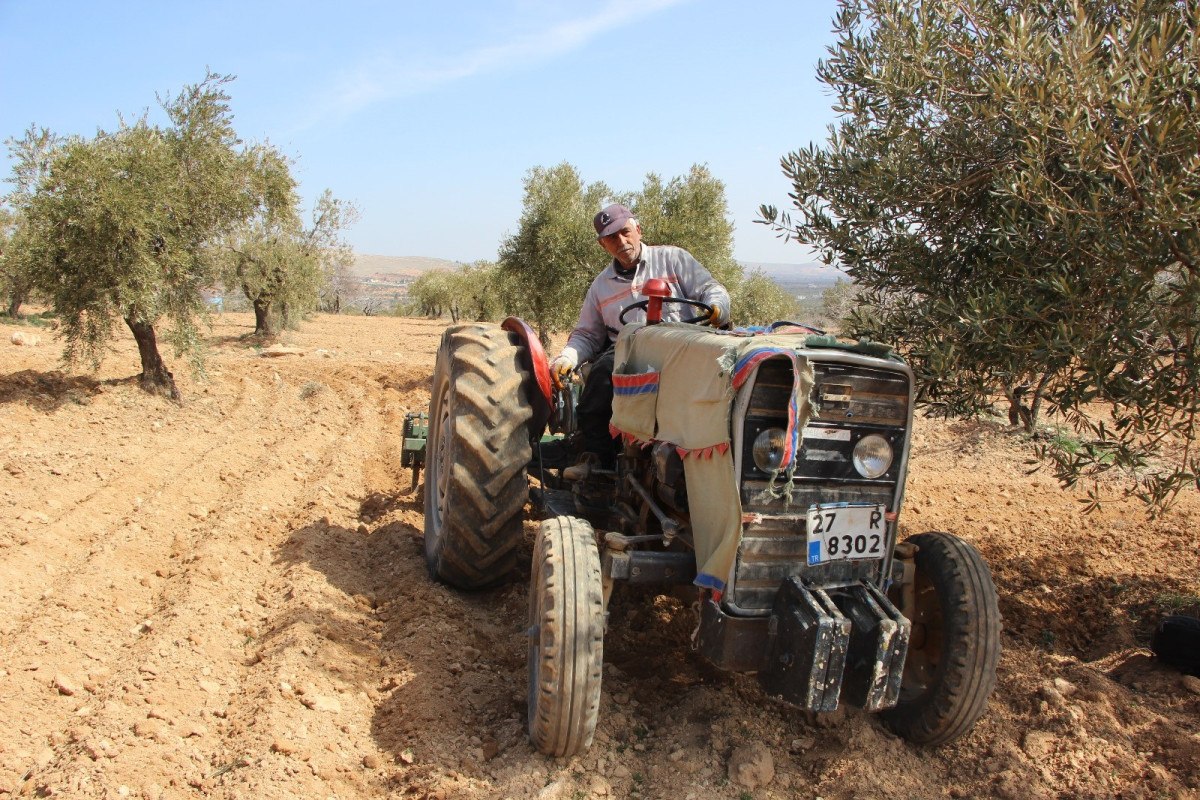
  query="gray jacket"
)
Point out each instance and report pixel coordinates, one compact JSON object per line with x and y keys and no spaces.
{"x":610,"y":293}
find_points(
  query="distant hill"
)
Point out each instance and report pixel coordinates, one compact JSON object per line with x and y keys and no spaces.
{"x":409,"y":266}
{"x":809,"y":272}
{"x":387,"y":277}
{"x":368,"y":264}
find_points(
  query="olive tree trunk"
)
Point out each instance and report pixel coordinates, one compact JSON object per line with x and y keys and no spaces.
{"x":18,"y":293}
{"x":264,"y":324}
{"x":155,"y":377}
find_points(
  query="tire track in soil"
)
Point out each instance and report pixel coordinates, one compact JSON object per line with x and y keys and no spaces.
{"x":71,"y":542}
{"x":317,"y":662}
{"x":204,"y":768}
{"x":187,"y":548}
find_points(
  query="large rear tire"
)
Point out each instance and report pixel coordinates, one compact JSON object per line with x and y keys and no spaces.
{"x":566,"y":637}
{"x":950,"y":670}
{"x":1176,"y":642}
{"x":476,"y":456}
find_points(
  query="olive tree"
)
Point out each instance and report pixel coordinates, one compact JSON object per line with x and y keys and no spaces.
{"x":467,"y":291}
{"x":761,"y":301}
{"x":689,"y":212}
{"x":31,"y":161}
{"x":281,"y":265}
{"x":123,"y":224}
{"x":550,"y":261}
{"x":480,"y":285}
{"x":335,"y":256}
{"x":433,"y":294}
{"x":8,"y":230}
{"x":839,"y":302}
{"x":1015,"y":189}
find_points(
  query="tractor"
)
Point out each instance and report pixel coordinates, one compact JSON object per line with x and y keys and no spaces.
{"x":763,"y":468}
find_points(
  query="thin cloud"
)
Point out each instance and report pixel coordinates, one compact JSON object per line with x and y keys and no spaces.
{"x":381,"y":79}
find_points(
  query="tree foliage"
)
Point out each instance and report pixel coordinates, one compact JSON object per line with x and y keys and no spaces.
{"x":761,"y":301}
{"x":18,"y":234}
{"x":471,"y":291}
{"x":547,"y":266}
{"x":8,"y":262}
{"x":482,"y":291}
{"x":134,"y":223}
{"x":550,"y":261}
{"x":433,"y":294}
{"x":121,"y":224}
{"x":281,"y":265}
{"x":261,"y":254}
{"x":839,"y":302}
{"x":689,"y":212}
{"x":1016,"y":189}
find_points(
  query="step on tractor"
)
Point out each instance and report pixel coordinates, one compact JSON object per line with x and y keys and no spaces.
{"x":764,"y":468}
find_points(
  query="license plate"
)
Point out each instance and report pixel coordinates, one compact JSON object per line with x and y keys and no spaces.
{"x":840,"y":531}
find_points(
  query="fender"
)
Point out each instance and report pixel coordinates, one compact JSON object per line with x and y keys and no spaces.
{"x":539,"y":365}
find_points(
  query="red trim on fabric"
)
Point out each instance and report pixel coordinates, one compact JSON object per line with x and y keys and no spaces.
{"x":642,"y":379}
{"x":627,"y":437}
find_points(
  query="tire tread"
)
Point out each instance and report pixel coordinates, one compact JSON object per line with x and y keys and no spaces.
{"x":487,"y":487}
{"x":567,"y":655}
{"x":971,"y":624}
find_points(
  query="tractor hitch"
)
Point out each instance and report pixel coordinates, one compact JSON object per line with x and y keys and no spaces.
{"x":412,"y":452}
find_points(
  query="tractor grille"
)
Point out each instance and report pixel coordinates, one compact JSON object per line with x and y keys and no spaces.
{"x":850,"y":401}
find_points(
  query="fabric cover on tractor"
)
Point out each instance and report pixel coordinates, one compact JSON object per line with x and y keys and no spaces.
{"x":676,"y":383}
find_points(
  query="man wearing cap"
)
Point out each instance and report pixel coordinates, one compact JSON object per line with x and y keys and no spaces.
{"x":618,"y":286}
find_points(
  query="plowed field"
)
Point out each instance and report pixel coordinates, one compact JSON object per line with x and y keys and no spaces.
{"x":228,"y":598}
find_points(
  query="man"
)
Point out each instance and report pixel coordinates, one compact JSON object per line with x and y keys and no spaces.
{"x":618,"y":286}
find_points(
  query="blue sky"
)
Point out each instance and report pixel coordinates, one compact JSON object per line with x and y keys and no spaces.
{"x":428,"y":115}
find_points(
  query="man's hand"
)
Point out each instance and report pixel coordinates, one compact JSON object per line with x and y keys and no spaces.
{"x":561,"y":367}
{"x":715,"y":319}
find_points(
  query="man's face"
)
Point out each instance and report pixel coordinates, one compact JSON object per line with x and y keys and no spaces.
{"x":625,"y":245}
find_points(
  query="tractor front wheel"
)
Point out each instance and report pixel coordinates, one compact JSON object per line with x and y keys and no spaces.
{"x":566,"y":637}
{"x":950,"y":670}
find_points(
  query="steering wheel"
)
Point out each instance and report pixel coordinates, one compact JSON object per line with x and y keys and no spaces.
{"x":642,"y":304}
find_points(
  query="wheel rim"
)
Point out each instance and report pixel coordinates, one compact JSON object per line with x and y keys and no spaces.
{"x":441,"y":462}
{"x":925,"y":646}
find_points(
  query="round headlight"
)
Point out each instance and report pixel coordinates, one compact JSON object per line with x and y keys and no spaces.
{"x":872,"y":456}
{"x":768,"y":449}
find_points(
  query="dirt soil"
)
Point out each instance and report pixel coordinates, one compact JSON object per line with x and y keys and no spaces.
{"x":228,"y":598}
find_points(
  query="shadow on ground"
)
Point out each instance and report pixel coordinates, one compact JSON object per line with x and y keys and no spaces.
{"x":48,"y":391}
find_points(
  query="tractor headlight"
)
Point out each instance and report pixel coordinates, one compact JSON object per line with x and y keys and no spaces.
{"x":872,"y":456}
{"x":768,"y":449}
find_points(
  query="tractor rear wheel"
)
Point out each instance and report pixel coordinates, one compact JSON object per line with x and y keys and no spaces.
{"x":476,"y":456}
{"x":1176,"y":642}
{"x":566,"y":637}
{"x":950,"y":670}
